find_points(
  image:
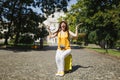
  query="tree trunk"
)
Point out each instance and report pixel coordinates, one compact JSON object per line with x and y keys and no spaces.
{"x":7,"y":35}
{"x":102,"y":44}
{"x":106,"y":46}
{"x":6,"y":39}
{"x":41,"y":43}
{"x":16,"y":39}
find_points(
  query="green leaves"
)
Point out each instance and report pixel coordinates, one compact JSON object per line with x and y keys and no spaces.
{"x":100,"y":18}
{"x":23,"y":19}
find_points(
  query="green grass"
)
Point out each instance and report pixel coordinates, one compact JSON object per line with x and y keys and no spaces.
{"x":110,"y":51}
{"x":23,"y":45}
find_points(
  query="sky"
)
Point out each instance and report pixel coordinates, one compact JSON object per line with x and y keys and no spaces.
{"x":57,"y":15}
{"x":69,"y":5}
{"x":39,"y":11}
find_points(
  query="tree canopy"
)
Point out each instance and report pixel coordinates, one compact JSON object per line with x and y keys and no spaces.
{"x":21,"y":18}
{"x":100,"y":20}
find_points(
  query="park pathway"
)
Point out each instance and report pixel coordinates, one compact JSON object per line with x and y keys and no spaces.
{"x":38,"y":64}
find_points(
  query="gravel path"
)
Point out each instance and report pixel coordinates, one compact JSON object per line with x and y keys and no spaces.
{"x":40,"y":65}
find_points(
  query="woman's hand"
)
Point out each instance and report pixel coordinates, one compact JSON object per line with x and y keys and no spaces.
{"x":78,"y":26}
{"x":48,"y":27}
{"x":49,"y":37}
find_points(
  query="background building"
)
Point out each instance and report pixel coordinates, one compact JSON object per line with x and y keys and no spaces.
{"x":53,"y":23}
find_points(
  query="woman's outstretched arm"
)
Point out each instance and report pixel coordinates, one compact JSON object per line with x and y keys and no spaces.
{"x":51,"y":35}
{"x":76,"y":31}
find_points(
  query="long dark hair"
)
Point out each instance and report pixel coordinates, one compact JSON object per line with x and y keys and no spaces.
{"x":66,"y":28}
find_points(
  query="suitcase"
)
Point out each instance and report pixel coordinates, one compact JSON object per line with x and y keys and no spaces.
{"x":68,"y":63}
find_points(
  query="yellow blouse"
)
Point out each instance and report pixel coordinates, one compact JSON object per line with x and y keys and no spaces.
{"x":63,"y":39}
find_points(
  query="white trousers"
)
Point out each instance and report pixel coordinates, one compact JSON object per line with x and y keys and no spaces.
{"x":60,"y":56}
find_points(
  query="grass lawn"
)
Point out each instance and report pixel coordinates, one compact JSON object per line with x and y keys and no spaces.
{"x":24,"y":46}
{"x":111,"y":52}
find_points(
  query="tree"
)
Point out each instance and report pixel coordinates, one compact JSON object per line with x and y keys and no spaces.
{"x":22,"y":18}
{"x":41,"y":33}
{"x":100,"y":20}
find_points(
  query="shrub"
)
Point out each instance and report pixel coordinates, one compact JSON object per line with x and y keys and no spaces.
{"x":26,"y":39}
{"x":117,"y":45}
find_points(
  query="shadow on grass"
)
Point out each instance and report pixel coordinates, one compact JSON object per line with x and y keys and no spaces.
{"x":15,"y":48}
{"x":29,"y":48}
{"x":94,"y":48}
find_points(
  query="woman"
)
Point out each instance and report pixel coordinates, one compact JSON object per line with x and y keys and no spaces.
{"x":64,"y":48}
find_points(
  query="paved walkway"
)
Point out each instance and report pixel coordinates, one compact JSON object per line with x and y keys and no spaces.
{"x":40,"y":65}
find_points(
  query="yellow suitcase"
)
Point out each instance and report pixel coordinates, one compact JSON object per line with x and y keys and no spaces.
{"x":68,"y":63}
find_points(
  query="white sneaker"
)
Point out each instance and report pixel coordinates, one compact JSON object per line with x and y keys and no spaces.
{"x":60,"y":73}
